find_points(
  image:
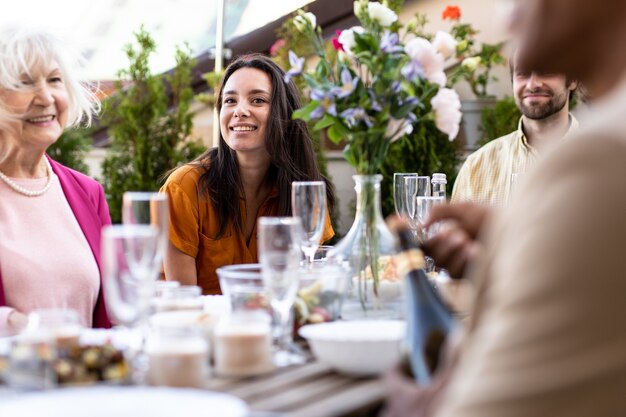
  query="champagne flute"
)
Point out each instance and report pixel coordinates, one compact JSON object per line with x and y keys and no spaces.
{"x":308,"y":202}
{"x":399,"y":185}
{"x":149,"y":208}
{"x":414,"y":186}
{"x":127,"y":256}
{"x":423,"y":207}
{"x":279,"y":256}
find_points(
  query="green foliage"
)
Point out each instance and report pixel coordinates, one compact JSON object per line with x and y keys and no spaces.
{"x":476,"y":62}
{"x":499,"y":120}
{"x":425,"y":151}
{"x":363,"y":97}
{"x":70,"y":149}
{"x":149,"y":133}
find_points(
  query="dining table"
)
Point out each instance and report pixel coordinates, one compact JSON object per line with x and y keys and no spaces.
{"x":310,"y":390}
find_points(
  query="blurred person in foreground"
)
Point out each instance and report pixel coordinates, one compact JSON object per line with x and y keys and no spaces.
{"x":215,"y":201}
{"x":547,"y":335}
{"x":544,"y":101}
{"x":50,"y":215}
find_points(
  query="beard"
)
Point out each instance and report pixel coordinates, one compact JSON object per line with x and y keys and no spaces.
{"x":542,"y":110}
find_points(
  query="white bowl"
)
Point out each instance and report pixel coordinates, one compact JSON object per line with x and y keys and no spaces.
{"x":357,"y":348}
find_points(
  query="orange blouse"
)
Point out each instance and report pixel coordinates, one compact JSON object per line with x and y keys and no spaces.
{"x":193,"y":223}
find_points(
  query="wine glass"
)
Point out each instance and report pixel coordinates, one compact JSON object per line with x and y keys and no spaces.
{"x":399,"y":199}
{"x":139,"y":207}
{"x":128,"y":252}
{"x":308,"y":202}
{"x":423,"y":207}
{"x":414,"y":186}
{"x":279,"y":256}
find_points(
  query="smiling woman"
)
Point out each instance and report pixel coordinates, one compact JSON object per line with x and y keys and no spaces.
{"x":215,"y":201}
{"x":50,"y":215}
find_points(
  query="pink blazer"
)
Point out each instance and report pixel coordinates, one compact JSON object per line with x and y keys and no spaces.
{"x":86,"y":199}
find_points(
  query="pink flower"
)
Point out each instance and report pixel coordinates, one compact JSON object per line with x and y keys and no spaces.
{"x":276,"y":46}
{"x":447,"y":107}
{"x":336,"y":44}
{"x":445,"y":44}
{"x":425,"y":54}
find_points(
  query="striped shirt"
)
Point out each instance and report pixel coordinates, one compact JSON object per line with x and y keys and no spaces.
{"x":485,"y":176}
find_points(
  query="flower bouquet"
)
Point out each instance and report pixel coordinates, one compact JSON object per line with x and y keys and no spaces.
{"x":378,"y":82}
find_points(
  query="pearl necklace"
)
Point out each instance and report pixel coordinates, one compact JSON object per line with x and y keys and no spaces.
{"x":29,"y":193}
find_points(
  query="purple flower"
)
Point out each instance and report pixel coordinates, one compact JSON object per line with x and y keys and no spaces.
{"x":297,"y":64}
{"x":412,"y":70}
{"x":389,"y":43}
{"x":354,"y":116}
{"x":326,"y":102}
{"x":348,"y":84}
{"x":374,"y":101}
{"x":412,"y":101}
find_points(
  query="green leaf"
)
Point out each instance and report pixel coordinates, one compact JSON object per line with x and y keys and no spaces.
{"x":326,"y":121}
{"x":305,"y":112}
{"x":337,"y":133}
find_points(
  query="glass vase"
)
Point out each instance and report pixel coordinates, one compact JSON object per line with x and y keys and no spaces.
{"x":375,"y":289}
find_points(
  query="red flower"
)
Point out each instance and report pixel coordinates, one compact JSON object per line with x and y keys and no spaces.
{"x":451,"y":13}
{"x":276,"y":46}
{"x":336,"y":44}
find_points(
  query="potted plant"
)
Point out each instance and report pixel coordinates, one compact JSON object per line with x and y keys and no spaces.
{"x":476,"y":62}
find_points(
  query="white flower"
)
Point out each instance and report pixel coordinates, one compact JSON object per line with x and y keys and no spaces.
{"x":447,"y":107}
{"x":396,"y":128}
{"x":445,"y":44}
{"x":358,"y":8}
{"x":422,"y":51}
{"x":471,"y":63}
{"x":302,"y":21}
{"x":346,"y":38}
{"x":382,"y":14}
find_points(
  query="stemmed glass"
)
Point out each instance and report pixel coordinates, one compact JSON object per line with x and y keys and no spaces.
{"x":399,"y":186}
{"x":139,"y":207}
{"x":308,"y":202}
{"x":423,"y":207}
{"x":414,"y":186}
{"x":279,"y":256}
{"x":128,"y":253}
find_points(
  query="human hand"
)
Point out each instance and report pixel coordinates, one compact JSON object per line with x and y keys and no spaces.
{"x":455,"y":245}
{"x":407,"y":399}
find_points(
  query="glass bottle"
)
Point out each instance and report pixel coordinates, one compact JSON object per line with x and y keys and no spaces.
{"x":429,"y":320}
{"x":367,"y":249}
{"x":439,"y":182}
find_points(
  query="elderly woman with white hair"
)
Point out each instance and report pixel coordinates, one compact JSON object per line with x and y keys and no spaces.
{"x":50,"y":215}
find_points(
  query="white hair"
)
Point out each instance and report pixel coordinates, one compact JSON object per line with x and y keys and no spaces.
{"x":23,"y":51}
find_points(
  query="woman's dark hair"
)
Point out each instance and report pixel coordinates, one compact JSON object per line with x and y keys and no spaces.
{"x":288,"y":144}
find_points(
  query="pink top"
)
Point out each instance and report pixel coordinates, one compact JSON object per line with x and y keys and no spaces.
{"x":46,"y":259}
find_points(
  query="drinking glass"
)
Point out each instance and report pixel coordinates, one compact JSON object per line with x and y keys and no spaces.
{"x":308,"y":202}
{"x":414,"y":186}
{"x":279,"y":255}
{"x":127,"y":268}
{"x":423,"y":206}
{"x":149,"y":208}
{"x":399,"y":200}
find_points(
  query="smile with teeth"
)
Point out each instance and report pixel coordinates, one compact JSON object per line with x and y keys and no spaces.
{"x":41,"y":119}
{"x":243,"y":128}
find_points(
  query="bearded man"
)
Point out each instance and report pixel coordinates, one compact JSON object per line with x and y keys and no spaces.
{"x":543,"y":99}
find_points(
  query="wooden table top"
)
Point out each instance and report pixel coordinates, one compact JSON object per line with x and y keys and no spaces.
{"x":310,"y":390}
